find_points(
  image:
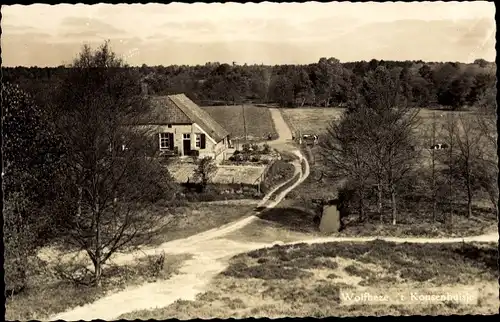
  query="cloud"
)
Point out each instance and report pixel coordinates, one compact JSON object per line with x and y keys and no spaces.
{"x":80,"y":27}
{"x":10,"y":28}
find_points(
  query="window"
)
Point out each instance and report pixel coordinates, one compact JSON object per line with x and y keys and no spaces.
{"x":169,"y":126}
{"x":198,"y":140}
{"x":186,"y":136}
{"x":164,"y":141}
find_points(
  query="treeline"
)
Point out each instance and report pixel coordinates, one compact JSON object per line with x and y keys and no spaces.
{"x":327,"y":83}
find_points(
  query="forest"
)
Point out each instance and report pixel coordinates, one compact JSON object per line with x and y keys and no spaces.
{"x":327,"y":83}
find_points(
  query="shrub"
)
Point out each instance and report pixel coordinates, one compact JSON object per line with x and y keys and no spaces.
{"x":255,"y":147}
{"x":19,"y":239}
{"x":255,"y":158}
{"x":246,"y":148}
{"x":266,"y":271}
{"x":266,"y":149}
{"x":205,"y":171}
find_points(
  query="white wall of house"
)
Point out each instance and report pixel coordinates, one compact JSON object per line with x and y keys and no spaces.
{"x":212,"y":149}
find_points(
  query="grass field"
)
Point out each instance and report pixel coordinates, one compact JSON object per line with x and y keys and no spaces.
{"x":197,"y":217}
{"x":258,"y":121}
{"x":315,"y":280}
{"x":315,"y":120}
{"x":310,"y":120}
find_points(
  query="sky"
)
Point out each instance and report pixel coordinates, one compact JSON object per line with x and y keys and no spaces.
{"x":268,"y":33}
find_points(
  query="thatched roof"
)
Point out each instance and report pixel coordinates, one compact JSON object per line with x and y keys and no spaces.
{"x":179,"y":109}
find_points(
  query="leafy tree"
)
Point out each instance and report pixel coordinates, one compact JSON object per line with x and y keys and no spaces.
{"x":303,"y":88}
{"x":205,"y":170}
{"x":96,"y":111}
{"x":282,"y":90}
{"x":30,"y":158}
{"x":432,"y":132}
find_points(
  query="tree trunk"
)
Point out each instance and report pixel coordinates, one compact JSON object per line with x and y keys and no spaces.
{"x":433,"y":187}
{"x":379,"y":201}
{"x":450,"y":178}
{"x":79,"y":202}
{"x":98,"y":264}
{"x":361,"y":206}
{"x":469,"y":195}
{"x":393,"y":204}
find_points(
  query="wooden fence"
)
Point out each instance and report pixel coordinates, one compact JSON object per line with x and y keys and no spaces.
{"x":263,"y":176}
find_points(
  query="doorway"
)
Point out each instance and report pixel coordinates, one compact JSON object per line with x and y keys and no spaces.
{"x":186,"y":144}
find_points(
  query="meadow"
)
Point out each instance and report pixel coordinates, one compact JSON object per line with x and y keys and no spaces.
{"x":310,"y":120}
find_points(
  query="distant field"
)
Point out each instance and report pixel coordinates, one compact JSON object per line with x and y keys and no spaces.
{"x":315,"y":120}
{"x":258,"y":121}
{"x":310,"y":120}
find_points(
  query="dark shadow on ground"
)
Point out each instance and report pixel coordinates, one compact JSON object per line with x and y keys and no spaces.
{"x":290,"y":218}
{"x":488,"y":255}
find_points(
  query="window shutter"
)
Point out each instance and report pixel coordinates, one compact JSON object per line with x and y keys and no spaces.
{"x":171,"y":140}
{"x":203,"y":141}
{"x":157,"y":145}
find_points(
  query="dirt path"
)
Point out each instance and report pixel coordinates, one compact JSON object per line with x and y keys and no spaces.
{"x":210,"y":256}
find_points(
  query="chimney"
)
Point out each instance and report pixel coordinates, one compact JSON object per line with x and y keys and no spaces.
{"x":144,"y":88}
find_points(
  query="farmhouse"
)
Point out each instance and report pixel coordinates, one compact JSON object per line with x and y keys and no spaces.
{"x":182,"y":128}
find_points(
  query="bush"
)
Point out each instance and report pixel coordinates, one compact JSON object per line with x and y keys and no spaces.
{"x":255,"y":147}
{"x":19,"y":239}
{"x":255,"y":158}
{"x":266,"y":149}
{"x":246,"y":148}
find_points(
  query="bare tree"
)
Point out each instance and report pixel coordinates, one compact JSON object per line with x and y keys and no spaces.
{"x":430,"y":142}
{"x":400,"y":153}
{"x":487,"y":121}
{"x":468,"y":138}
{"x":389,"y":129}
{"x":450,"y":130}
{"x":110,"y":170}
